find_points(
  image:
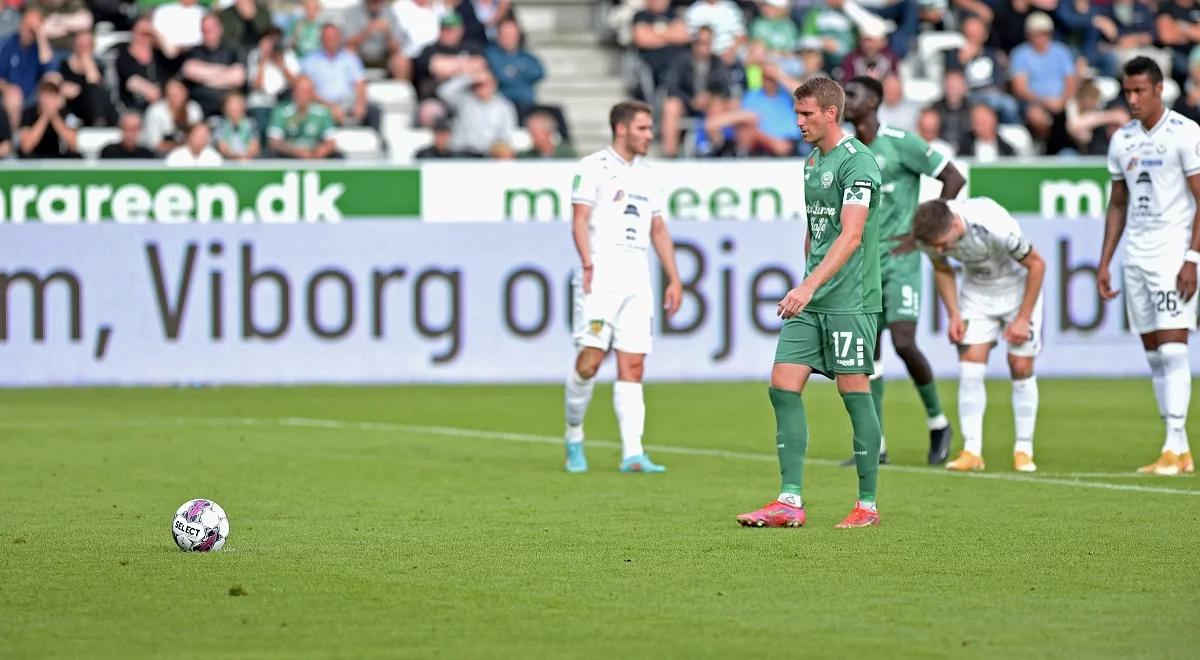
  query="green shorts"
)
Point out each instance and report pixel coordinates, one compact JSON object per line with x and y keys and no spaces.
{"x":829,"y":343}
{"x":901,"y":287}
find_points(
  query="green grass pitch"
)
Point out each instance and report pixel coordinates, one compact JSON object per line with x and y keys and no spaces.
{"x":437,"y":522}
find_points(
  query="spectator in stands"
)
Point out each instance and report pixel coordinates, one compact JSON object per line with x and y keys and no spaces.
{"x":490,"y":14}
{"x":304,"y":36}
{"x":812,"y":56}
{"x":1008,"y":23}
{"x":659,"y":35}
{"x":374,"y":33}
{"x":984,"y":68}
{"x":142,"y":68}
{"x":904,"y":14}
{"x":1043,"y":80}
{"x":775,"y":132}
{"x":24,"y":58}
{"x":443,"y":133}
{"x":340,"y":82}
{"x":83,"y":85}
{"x":726,"y":129}
{"x":929,"y":127}
{"x":270,"y":71}
{"x":723,"y":18}
{"x":1079,"y":21}
{"x":1178,"y":28}
{"x":167,"y":119}
{"x":895,"y":110}
{"x":872,"y":57}
{"x":516,"y":70}
{"x":482,"y":117}
{"x":196,"y":151}
{"x":447,"y":58}
{"x":420,"y":21}
{"x":243,"y":24}
{"x":212,"y":69}
{"x":983,"y":142}
{"x":236,"y":135}
{"x":547,"y":143}
{"x":302,"y":127}
{"x":128,"y":147}
{"x":834,"y":28}
{"x":953,"y":111}
{"x":46,"y":132}
{"x":691,"y":77}
{"x":1129,"y":25}
{"x":775,"y":29}
{"x":10,"y":17}
{"x":1089,"y":124}
{"x":62,"y":19}
{"x":980,"y":8}
{"x":178,"y":23}
{"x":6,"y":145}
{"x":933,"y":15}
{"x":1188,"y":103}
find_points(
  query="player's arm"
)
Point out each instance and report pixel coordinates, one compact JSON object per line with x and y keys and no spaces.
{"x":579,"y":230}
{"x":1185,"y":282}
{"x":1019,"y":331}
{"x":854,"y":222}
{"x":947,"y":290}
{"x":952,"y":181}
{"x":665,"y":248}
{"x":1114,"y":226}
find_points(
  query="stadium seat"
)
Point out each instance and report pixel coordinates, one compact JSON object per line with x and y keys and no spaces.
{"x":403,"y":140}
{"x":108,"y":40}
{"x":391,"y":95}
{"x":91,"y":140}
{"x":1109,"y":88}
{"x":931,"y":45}
{"x":922,"y":90}
{"x":338,"y":5}
{"x":521,"y":141}
{"x":1018,"y":136}
{"x":358,"y":143}
{"x":1170,"y":91}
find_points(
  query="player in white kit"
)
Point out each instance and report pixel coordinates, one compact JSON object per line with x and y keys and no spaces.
{"x":618,"y":213}
{"x":1154,"y":162}
{"x":1001,"y":296}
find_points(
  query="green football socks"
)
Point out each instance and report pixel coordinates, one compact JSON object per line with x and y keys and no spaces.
{"x":791,"y":438}
{"x":877,"y":397}
{"x":867,"y":436}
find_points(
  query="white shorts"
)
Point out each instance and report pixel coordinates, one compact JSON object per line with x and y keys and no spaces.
{"x":1152,"y":302}
{"x":615,"y":319}
{"x":984,"y":327}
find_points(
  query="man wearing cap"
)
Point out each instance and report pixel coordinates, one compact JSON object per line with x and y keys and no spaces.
{"x":442,"y":60}
{"x":1043,"y":80}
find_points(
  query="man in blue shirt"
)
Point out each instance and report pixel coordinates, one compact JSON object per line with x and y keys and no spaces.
{"x":337,"y":73}
{"x":516,"y":69}
{"x":1043,"y":80}
{"x":777,"y":134}
{"x":24,"y":58}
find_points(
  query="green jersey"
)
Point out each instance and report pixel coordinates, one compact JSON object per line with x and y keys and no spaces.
{"x":847,"y":175}
{"x":902,"y":157}
{"x":301,"y":129}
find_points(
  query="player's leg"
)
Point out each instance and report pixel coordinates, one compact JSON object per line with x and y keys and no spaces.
{"x":632,"y":342}
{"x":1025,"y":392}
{"x":798,"y":353}
{"x":850,"y":344}
{"x":877,"y":388}
{"x":982,"y":333}
{"x":593,"y":333}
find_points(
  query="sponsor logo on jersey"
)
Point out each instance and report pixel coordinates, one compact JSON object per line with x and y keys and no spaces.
{"x":818,"y":226}
{"x":638,"y":198}
{"x":827,"y":179}
{"x":1152,"y":162}
{"x":815,"y":209}
{"x":595,"y":326}
{"x":1161,"y":149}
{"x":575,"y":183}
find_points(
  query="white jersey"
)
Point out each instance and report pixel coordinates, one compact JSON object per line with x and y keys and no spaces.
{"x":624,"y":198}
{"x":990,"y":251}
{"x":1155,"y":166}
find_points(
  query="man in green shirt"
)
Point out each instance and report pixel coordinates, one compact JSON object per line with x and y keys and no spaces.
{"x":902,"y":157}
{"x":303,"y":127}
{"x":830,"y":319}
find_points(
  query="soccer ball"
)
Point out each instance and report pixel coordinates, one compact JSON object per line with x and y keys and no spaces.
{"x":200,"y":526}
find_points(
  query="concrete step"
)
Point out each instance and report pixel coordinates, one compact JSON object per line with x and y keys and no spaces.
{"x":548,"y":18}
{"x":583,"y":88}
{"x":577,"y":62}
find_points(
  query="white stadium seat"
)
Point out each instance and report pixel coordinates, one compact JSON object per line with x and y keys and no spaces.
{"x":1170,"y":91}
{"x":1018,"y":136}
{"x":922,"y":91}
{"x":402,"y":139}
{"x":91,"y":140}
{"x":931,"y":45}
{"x":391,"y":95}
{"x":338,"y":5}
{"x":521,"y":141}
{"x":1109,"y":88}
{"x":358,"y":143}
{"x":105,"y":41}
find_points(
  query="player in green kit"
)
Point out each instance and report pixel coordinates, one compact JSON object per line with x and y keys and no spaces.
{"x":902,"y":157}
{"x":830,"y":319}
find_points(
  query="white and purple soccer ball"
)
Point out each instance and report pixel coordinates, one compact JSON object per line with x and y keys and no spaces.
{"x":200,"y":526}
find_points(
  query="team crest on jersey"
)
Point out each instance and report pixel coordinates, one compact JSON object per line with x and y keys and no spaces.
{"x":595,"y":326}
{"x":827,"y":179}
{"x":1161,"y":149}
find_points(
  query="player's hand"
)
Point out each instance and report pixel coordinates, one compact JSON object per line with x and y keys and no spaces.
{"x":1185,"y":281}
{"x":587,"y":277}
{"x":1104,"y":284}
{"x":957,"y":330}
{"x":1017,"y":332}
{"x":794,"y":302}
{"x":673,"y":297}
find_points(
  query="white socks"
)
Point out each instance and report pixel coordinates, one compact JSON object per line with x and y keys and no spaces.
{"x":972,"y":401}
{"x":1158,"y":378}
{"x":1025,"y":406}
{"x":631,"y":416}
{"x":579,"y":395}
{"x":1177,"y":394}
{"x":791,"y":500}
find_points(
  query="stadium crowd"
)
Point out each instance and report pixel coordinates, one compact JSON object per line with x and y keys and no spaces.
{"x":238,"y":79}
{"x":200,"y":84}
{"x":726,"y":68}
